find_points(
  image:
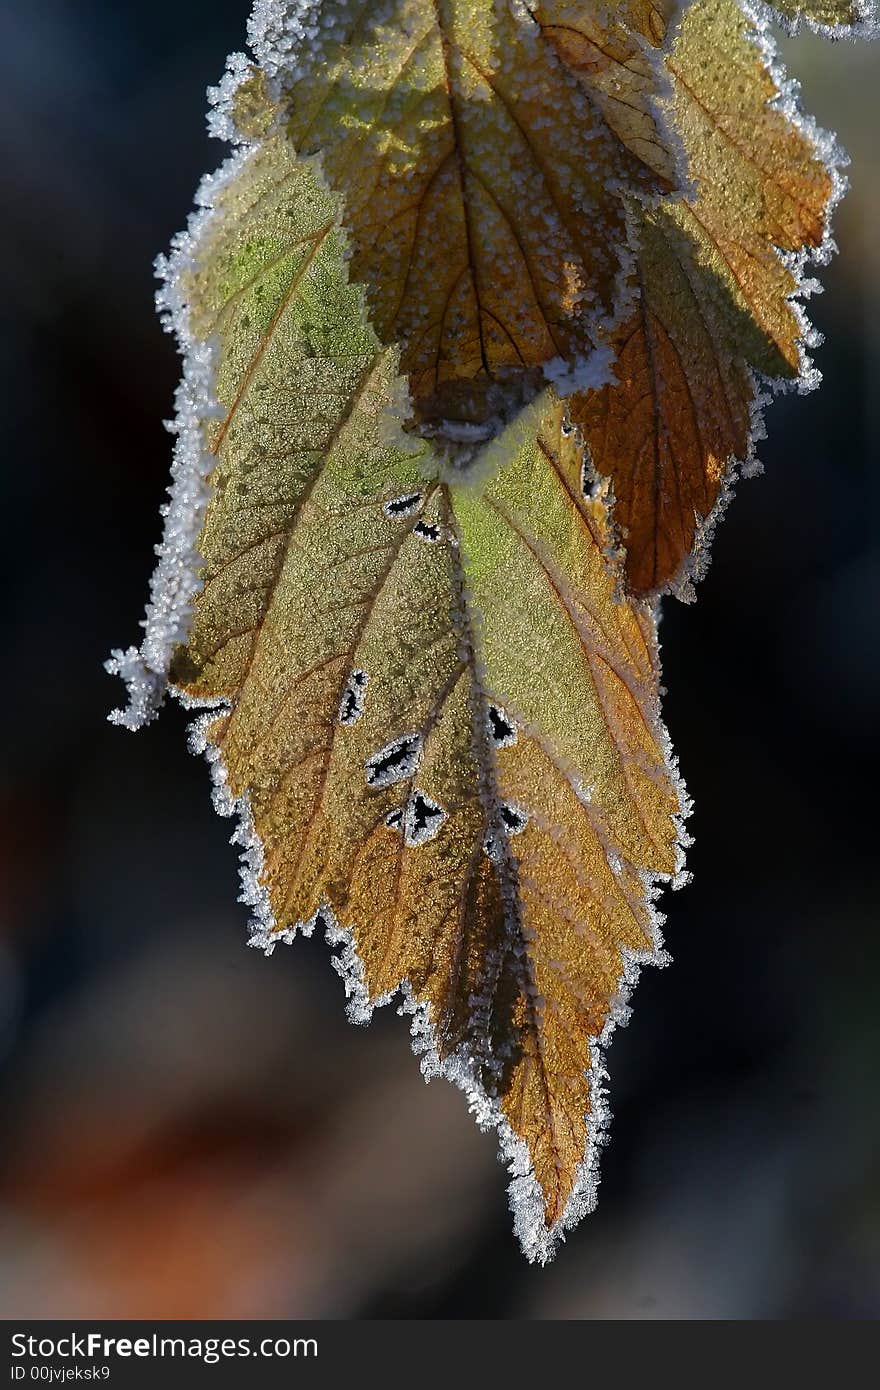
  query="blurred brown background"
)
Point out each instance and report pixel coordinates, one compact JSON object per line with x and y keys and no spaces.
{"x":193,"y":1130}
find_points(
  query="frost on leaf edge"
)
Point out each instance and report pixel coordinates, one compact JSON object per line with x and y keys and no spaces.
{"x":864,"y":27}
{"x":176,"y":581}
{"x":176,"y":578}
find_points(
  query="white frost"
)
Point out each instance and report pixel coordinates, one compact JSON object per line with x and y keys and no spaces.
{"x":176,"y":579}
{"x":588,"y":374}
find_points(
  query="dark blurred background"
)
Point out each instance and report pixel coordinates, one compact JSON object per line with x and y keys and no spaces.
{"x":193,"y":1130}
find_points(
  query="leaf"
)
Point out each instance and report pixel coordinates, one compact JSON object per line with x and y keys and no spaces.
{"x":831,"y":16}
{"x":714,"y":299}
{"x":388,"y":568}
{"x":481,"y":181}
{"x":436,"y":718}
{"x":613,"y":53}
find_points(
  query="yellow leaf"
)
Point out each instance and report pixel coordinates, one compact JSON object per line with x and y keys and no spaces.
{"x":714,"y":297}
{"x":439,"y":722}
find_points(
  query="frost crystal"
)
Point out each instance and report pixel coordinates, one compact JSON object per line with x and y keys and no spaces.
{"x":176,"y":579}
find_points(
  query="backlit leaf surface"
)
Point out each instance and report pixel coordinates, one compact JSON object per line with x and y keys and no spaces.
{"x":481,"y":175}
{"x":444,"y":724}
{"x":460,"y":240}
{"x":612,"y":52}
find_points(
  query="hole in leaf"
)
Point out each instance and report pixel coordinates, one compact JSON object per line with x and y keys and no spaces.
{"x":352,"y":705}
{"x":502,"y":730}
{"x":423,"y":819}
{"x":427,"y":531}
{"x":513,"y":818}
{"x":395,"y":762}
{"x":403,"y":506}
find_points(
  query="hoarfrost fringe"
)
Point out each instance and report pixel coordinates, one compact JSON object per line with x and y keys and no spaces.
{"x":176,"y":579}
{"x":277,"y":31}
{"x":251,"y":858}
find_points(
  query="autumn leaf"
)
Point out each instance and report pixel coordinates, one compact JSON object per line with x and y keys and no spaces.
{"x":441,"y":726}
{"x":458,"y":242}
{"x":714,"y":304}
{"x":481,"y":177}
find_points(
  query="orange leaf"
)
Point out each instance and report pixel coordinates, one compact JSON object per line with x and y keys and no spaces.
{"x":713,"y":303}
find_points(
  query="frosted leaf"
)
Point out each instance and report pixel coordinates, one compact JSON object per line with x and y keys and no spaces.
{"x":452,"y":235}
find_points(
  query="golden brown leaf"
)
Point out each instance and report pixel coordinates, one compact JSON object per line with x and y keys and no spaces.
{"x":429,"y":702}
{"x":612,"y":51}
{"x":714,"y":297}
{"x":481,"y":181}
{"x":442,"y":723}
